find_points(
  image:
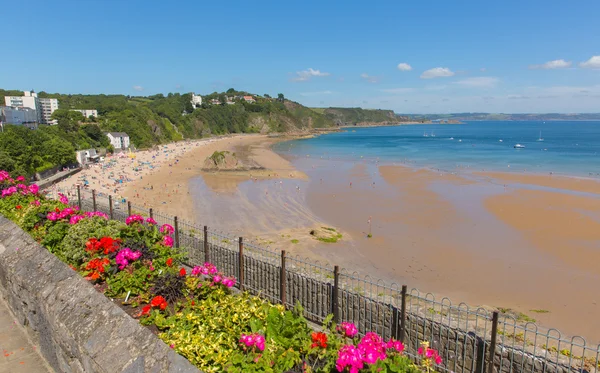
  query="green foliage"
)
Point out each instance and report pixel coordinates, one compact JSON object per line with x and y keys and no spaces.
{"x":137,"y":280}
{"x":355,"y":115}
{"x":72,"y":250}
{"x":207,"y":333}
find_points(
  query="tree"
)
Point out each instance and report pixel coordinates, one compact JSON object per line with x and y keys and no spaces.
{"x":280,"y":97}
{"x":267,"y":95}
{"x":230,"y":91}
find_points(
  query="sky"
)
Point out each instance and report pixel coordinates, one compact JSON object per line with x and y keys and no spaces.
{"x":421,"y":56}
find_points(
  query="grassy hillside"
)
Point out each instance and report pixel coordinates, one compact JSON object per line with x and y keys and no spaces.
{"x":349,"y":116}
{"x":150,"y":120}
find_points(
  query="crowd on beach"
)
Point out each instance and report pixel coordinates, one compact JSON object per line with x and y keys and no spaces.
{"x":113,"y":175}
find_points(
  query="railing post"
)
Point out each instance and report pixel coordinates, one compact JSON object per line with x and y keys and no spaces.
{"x":110,"y":207}
{"x":79,"y":196}
{"x":206,"y":256}
{"x":241,"y":263}
{"x":283,"y":280}
{"x":336,"y":286}
{"x":490,"y":368}
{"x":94,"y":199}
{"x":176,"y":227}
{"x":128,"y":208}
{"x":403,"y":314}
{"x":151,"y":213}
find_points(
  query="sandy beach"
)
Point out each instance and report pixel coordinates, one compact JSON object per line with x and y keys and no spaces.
{"x":526,"y":242}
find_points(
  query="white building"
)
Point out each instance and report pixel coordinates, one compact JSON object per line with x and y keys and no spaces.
{"x":47,"y":107}
{"x":43,"y":106}
{"x":196,"y":100}
{"x":87,"y":156}
{"x":87,"y":112}
{"x":119,"y":140}
{"x":19,"y":116}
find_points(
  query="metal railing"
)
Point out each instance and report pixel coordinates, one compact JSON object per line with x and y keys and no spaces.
{"x":469,"y":339}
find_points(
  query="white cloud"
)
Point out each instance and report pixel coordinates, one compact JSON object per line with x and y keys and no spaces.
{"x":370,"y":78}
{"x":397,"y":90}
{"x":138,"y":88}
{"x":404,"y":66}
{"x":518,"y":97}
{"x":556,"y":64}
{"x":592,"y":63}
{"x":319,"y":93}
{"x":437,"y":72}
{"x":479,"y":82}
{"x":304,"y":75}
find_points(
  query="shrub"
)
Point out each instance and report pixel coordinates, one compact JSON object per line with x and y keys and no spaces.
{"x":72,"y":249}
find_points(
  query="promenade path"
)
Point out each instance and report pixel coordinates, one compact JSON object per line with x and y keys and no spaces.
{"x":18,"y":354}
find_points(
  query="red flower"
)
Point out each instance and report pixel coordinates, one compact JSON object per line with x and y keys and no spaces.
{"x":56,"y":209}
{"x":18,"y":207}
{"x":319,"y":340}
{"x":146,"y":310}
{"x":170,"y":262}
{"x":109,"y":245}
{"x":159,"y":301}
{"x":182,"y":272}
{"x":92,"y":245}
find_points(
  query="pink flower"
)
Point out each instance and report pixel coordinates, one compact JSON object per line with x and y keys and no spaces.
{"x":63,"y":199}
{"x":20,"y":178}
{"x":395,"y":345}
{"x":33,"y":189}
{"x":168,"y":241}
{"x":167,"y":229}
{"x":254,"y":340}
{"x":75,"y":219}
{"x":217,"y":279}
{"x":125,"y":255}
{"x":196,"y":271}
{"x":35,"y":202}
{"x":349,"y":356}
{"x":348,"y":329}
{"x":229,"y":282}
{"x":151,"y":221}
{"x":134,"y":219}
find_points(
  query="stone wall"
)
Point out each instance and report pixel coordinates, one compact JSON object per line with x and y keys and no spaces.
{"x":77,"y":328}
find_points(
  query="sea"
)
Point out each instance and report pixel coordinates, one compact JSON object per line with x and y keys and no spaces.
{"x":561,"y":147}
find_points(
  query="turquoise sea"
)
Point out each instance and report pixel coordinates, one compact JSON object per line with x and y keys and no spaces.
{"x":571,"y":148}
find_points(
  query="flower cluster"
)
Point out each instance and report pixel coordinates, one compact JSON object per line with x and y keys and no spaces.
{"x":168,"y":241}
{"x":59,"y":214}
{"x":369,"y":350}
{"x":319,"y":340}
{"x":349,"y":356}
{"x":22,"y":188}
{"x":89,"y":214}
{"x":63,"y":199}
{"x":167,"y":229}
{"x":96,"y":267}
{"x":159,"y":302}
{"x":210,"y":270}
{"x":105,"y":245}
{"x":124,"y":256}
{"x":151,"y":221}
{"x":134,"y":219}
{"x":347,"y":329}
{"x":429,"y":355}
{"x":253,"y":341}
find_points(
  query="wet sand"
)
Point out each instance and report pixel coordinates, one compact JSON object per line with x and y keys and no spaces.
{"x":466,"y":236}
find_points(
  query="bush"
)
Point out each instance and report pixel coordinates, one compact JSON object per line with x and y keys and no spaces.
{"x":72,"y":249}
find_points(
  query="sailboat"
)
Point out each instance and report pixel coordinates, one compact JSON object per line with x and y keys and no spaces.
{"x":432,"y":134}
{"x":540,"y":138}
{"x":425,"y":134}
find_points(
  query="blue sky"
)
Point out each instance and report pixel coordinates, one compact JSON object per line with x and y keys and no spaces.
{"x":460,"y":55}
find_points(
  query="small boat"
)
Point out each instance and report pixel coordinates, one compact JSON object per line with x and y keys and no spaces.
{"x":452,"y":138}
{"x":540,"y":138}
{"x":432,"y":134}
{"x":500,"y":140}
{"x":425,"y":134}
{"x":459,"y":140}
{"x":519,"y":146}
